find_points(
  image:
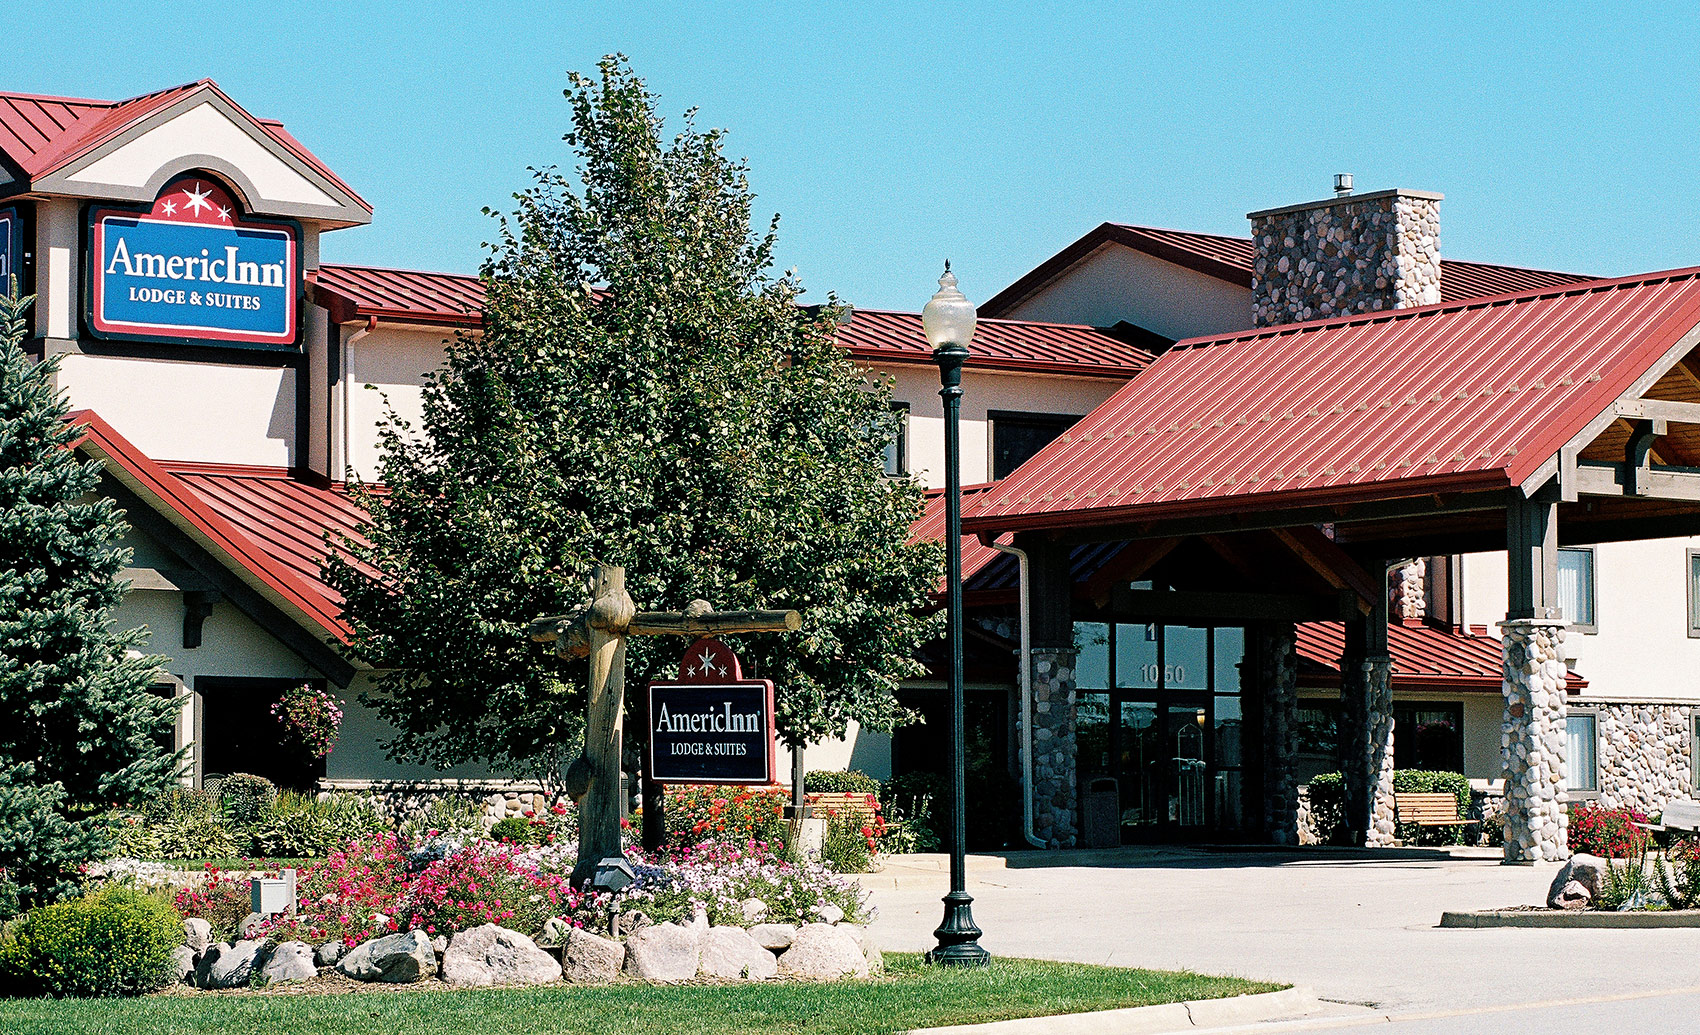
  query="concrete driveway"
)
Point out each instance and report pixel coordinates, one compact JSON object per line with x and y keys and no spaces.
{"x":1357,"y":927}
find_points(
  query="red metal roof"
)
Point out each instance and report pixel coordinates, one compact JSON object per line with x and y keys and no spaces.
{"x":1425,"y":657}
{"x":1439,"y":398}
{"x":44,"y":134}
{"x":881,"y":335}
{"x":404,"y":296}
{"x":1230,"y":259}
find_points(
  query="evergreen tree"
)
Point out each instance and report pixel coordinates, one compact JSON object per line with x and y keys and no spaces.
{"x":645,"y":392}
{"x":79,"y":725}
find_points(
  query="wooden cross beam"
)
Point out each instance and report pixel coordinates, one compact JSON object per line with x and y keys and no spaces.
{"x":598,"y":631}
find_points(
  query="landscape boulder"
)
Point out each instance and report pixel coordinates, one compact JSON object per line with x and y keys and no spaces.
{"x":491,"y":955}
{"x":1572,"y":896}
{"x":775,"y":937}
{"x":870,"y":950}
{"x":554,"y":934}
{"x":830,"y":914}
{"x":729,"y":953}
{"x":183,"y":964}
{"x":822,"y":952}
{"x":250,"y":925}
{"x":665,"y":952}
{"x":588,"y":959}
{"x":288,"y":961}
{"x":329,"y":953}
{"x":1583,"y":869}
{"x":395,"y":958}
{"x":197,"y":933}
{"x":227,"y":964}
{"x":754,"y":909}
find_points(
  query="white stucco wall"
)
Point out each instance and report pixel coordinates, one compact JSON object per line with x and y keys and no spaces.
{"x":1116,"y":283}
{"x":1642,"y":648}
{"x":394,"y":361}
{"x":983,"y":391}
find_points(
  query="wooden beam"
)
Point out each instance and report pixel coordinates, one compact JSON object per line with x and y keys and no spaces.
{"x":1132,"y":561}
{"x":1186,"y":605}
{"x":1598,"y":479}
{"x":1531,"y":546}
{"x":572,"y":632}
{"x":1323,"y":556}
{"x":1657,"y":409}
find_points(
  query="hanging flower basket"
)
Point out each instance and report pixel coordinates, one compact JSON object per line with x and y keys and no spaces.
{"x":310,"y":716}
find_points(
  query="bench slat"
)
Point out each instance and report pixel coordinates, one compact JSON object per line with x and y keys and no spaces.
{"x":1428,"y":809}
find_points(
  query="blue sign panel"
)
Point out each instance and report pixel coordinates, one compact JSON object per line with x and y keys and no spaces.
{"x":190,"y":270}
{"x":11,"y":250}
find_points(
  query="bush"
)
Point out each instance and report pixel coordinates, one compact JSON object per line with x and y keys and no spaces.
{"x":177,"y":803}
{"x":1607,"y":833}
{"x":223,"y":901}
{"x":196,"y":838}
{"x":917,"y":803}
{"x":247,"y":798}
{"x":446,"y":815}
{"x":732,"y":815}
{"x":849,"y":843}
{"x":832,"y":781}
{"x":1328,"y":807}
{"x":1422,"y":781}
{"x":11,"y":897}
{"x":114,"y":942}
{"x":515,"y":830}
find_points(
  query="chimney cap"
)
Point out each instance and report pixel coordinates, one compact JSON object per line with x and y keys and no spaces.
{"x":1342,"y":184}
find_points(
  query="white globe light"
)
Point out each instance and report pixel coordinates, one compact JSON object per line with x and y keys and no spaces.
{"x":948,"y":318}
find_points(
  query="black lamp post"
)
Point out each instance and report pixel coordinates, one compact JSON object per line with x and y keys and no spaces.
{"x":948,"y":322}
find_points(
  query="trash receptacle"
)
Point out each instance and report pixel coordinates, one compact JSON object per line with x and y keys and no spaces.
{"x":1101,"y":812}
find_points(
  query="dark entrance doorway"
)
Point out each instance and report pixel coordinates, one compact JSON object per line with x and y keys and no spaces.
{"x":1159,"y":710}
{"x":239,"y":734}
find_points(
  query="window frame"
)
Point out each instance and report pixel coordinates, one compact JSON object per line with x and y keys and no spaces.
{"x":901,"y":409}
{"x":1587,"y":628}
{"x":1694,"y":749}
{"x":1574,"y":793}
{"x":1689,"y":557}
{"x":1061,"y":421}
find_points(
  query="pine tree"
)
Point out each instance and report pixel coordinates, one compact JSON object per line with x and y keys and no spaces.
{"x":79,"y":724}
{"x":646,"y":392}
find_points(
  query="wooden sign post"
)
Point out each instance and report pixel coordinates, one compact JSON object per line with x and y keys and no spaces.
{"x":598,"y":631}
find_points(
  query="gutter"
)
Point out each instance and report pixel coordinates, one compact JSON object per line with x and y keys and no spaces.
{"x":1026,"y":665}
{"x":345,"y":354}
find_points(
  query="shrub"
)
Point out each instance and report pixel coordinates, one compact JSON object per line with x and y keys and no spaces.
{"x":850,"y":842}
{"x":1620,"y":885}
{"x":1423,"y":781}
{"x":177,"y":803}
{"x":116,"y":941}
{"x":852,"y":781}
{"x":446,"y":815}
{"x":196,"y":838}
{"x":1608,"y":833}
{"x":917,"y":800}
{"x":909,"y":827}
{"x":733,"y":815}
{"x":11,"y":897}
{"x":292,"y":829}
{"x":247,"y":797}
{"x":223,"y":901}
{"x":133,"y":837}
{"x":515,"y":830}
{"x":1328,"y":807}
{"x":1678,"y":875}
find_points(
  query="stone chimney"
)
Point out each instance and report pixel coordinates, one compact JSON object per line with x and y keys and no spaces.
{"x":1354,"y":253}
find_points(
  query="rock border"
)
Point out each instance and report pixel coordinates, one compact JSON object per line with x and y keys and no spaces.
{"x":1572,"y":918}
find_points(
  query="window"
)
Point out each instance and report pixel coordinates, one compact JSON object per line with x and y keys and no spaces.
{"x":1584,"y":769}
{"x":1694,"y":602}
{"x":1429,"y":736}
{"x":1576,"y":586}
{"x":897,"y":450}
{"x":1017,"y":436}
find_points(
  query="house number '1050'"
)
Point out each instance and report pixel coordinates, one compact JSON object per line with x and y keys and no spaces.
{"x":1168,"y":673}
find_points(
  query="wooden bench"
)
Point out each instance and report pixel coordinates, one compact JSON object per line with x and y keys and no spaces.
{"x":1428,"y":809}
{"x":844,"y":803}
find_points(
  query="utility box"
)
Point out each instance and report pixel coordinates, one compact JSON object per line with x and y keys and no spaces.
{"x":1101,"y":813}
{"x":271,"y":895}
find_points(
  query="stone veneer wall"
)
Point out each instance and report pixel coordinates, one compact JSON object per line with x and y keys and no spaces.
{"x":1356,"y":254}
{"x":1055,"y":804}
{"x":1366,"y":749}
{"x":402,"y":800}
{"x":1644,"y":755}
{"x":1534,"y":742}
{"x":1277,"y":661}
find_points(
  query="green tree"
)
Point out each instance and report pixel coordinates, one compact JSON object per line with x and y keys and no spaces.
{"x":79,"y":724}
{"x":645,"y":392}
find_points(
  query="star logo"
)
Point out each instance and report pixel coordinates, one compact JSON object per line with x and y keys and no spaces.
{"x":170,"y":208}
{"x":224,"y":213}
{"x":198,"y":199}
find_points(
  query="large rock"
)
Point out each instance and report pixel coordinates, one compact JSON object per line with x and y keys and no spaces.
{"x":588,"y":959}
{"x":329,"y":953}
{"x":1573,"y":896}
{"x":870,"y":950}
{"x":394,"y":958}
{"x":830,"y":913}
{"x":822,"y":952}
{"x":665,"y":952}
{"x":776,"y":937}
{"x":183,"y":964}
{"x":754,"y":909}
{"x":227,"y":965}
{"x":251,"y":924}
{"x":288,"y":961}
{"x":1582,"y":868}
{"x":491,"y":955}
{"x":554,"y":934}
{"x":730,"y":953}
{"x":197,"y":933}
{"x":633,"y":920}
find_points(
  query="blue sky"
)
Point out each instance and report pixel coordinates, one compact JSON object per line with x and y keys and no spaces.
{"x":890,"y":136}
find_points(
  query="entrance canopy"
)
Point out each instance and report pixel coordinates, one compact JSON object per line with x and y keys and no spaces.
{"x":1402,"y":433}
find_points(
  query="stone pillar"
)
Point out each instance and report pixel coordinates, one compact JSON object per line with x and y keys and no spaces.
{"x":1276,"y":651}
{"x":1055,"y":778}
{"x":1366,"y":749}
{"x":1410,"y":595}
{"x":1534,"y":741}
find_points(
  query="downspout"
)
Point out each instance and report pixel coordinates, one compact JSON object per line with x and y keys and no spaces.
{"x":1026,"y":670}
{"x":347,"y":352}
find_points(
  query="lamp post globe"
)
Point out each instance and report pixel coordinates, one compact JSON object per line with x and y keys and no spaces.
{"x":948,"y":322}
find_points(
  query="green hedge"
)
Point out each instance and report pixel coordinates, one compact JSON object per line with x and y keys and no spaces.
{"x":114,"y":942}
{"x":1327,"y":805}
{"x":832,"y":781}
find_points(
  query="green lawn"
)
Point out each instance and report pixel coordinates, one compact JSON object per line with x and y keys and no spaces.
{"x":910,"y":996}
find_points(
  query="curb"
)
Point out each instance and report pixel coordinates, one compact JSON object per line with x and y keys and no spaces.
{"x":1151,"y":1020}
{"x":1577,"y":920}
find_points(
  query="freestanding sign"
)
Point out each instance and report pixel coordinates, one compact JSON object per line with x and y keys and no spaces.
{"x":11,"y":250}
{"x":711,"y":725}
{"x":190,"y":269}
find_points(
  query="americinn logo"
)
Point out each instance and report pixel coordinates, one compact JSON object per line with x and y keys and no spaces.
{"x":191,"y":269}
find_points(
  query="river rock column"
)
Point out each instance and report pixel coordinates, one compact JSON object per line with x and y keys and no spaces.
{"x":1277,"y":682}
{"x":1055,"y":780}
{"x":1366,"y":755}
{"x":1533,"y":742}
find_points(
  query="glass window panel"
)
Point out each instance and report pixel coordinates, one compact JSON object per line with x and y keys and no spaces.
{"x":1430,"y":738}
{"x":1142,"y":759}
{"x":1230,"y":655}
{"x":1583,"y":774}
{"x":1576,"y":585}
{"x":1092,"y":731}
{"x":1186,"y":657}
{"x":1092,"y":660}
{"x":1230,"y":726}
{"x":1136,"y":656}
{"x":1318,"y":725}
{"x":1694,"y":600}
{"x":1230,"y":808}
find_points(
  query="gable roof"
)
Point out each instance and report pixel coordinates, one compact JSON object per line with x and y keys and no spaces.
{"x":43,"y":135}
{"x":1474,"y":395}
{"x":1230,"y":259}
{"x":402,"y":296}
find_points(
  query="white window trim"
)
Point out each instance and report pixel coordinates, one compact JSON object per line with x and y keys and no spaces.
{"x":1593,"y":627}
{"x":1592,"y":793}
{"x":1688,"y":582}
